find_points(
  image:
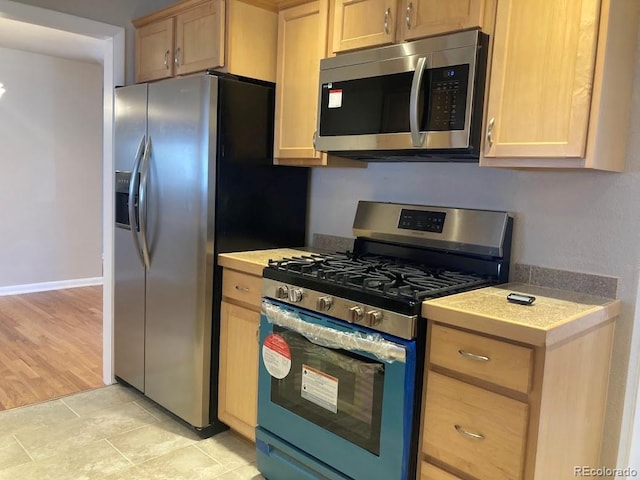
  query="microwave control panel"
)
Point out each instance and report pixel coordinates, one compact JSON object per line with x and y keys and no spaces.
{"x":448,"y":97}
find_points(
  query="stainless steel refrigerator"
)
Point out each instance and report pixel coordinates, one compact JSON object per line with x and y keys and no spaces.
{"x":194,"y":177}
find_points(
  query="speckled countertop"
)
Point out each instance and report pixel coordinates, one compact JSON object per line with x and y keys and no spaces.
{"x":254,"y":261}
{"x":553,"y":317}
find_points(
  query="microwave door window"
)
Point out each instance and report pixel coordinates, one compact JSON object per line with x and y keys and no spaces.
{"x":370,"y":106}
{"x":339,"y":391}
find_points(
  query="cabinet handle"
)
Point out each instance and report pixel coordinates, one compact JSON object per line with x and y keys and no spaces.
{"x":166,"y":59}
{"x":490,"y":132}
{"x":473,"y":356}
{"x":387,"y":14}
{"x":315,"y":134}
{"x":258,"y":335}
{"x":176,"y":58}
{"x":241,"y":288}
{"x":408,"y":17}
{"x":467,"y":433}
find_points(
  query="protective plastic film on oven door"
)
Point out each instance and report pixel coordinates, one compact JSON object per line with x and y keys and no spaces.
{"x":373,"y":344}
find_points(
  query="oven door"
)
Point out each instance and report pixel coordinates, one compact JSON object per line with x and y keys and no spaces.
{"x":335,"y":401}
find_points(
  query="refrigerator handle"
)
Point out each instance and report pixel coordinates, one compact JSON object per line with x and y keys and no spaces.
{"x":133,"y":218}
{"x":144,"y":176}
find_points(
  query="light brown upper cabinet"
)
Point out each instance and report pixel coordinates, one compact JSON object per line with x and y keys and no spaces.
{"x":560,"y":83}
{"x":200,"y":39}
{"x":154,"y":50}
{"x":302,"y":42}
{"x":367,"y":23}
{"x":196,"y":35}
{"x":423,"y":18}
{"x":363,"y":23}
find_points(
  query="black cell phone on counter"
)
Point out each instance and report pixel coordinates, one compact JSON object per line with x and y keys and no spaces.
{"x":521,"y":298}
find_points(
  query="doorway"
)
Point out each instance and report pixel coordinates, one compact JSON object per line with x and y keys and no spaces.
{"x":107,"y":42}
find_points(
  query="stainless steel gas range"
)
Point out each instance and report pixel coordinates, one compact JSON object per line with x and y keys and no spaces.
{"x":343,"y":344}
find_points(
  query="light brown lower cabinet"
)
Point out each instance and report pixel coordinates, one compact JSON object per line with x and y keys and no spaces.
{"x":479,"y":431}
{"x":238,"y":379}
{"x":496,"y":409}
{"x":429,"y":471}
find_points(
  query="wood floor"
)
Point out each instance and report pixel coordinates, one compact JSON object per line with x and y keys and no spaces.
{"x":50,"y":345}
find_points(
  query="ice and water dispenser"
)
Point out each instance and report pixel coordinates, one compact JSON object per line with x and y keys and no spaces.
{"x":123,"y":180}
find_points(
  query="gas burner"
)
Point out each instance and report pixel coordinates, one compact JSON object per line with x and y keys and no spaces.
{"x":380,"y":275}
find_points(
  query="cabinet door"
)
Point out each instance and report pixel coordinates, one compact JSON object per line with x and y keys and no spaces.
{"x":154,"y":51}
{"x":431,"y":472}
{"x":363,"y":23}
{"x":302,"y":42}
{"x":238,"y":379}
{"x":251,"y":36}
{"x":541,"y":78}
{"x":200,"y":38}
{"x":478,"y":432}
{"x":422,"y":18}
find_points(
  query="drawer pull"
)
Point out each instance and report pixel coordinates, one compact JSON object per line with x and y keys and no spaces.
{"x":473,"y":356}
{"x":467,"y":433}
{"x":241,"y":288}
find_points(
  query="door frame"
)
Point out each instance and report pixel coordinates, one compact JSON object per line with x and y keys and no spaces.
{"x":113,"y":61}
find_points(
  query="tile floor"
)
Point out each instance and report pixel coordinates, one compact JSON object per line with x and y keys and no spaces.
{"x":114,"y":433}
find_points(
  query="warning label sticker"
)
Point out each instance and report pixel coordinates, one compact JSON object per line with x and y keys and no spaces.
{"x":335,"y":98}
{"x":319,"y":388}
{"x":276,"y":356}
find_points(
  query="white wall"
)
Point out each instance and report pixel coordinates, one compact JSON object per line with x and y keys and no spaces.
{"x":114,"y":12}
{"x":578,"y":221}
{"x":51,"y":180}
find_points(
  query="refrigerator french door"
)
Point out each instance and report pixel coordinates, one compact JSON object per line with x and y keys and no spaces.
{"x":194,"y":156}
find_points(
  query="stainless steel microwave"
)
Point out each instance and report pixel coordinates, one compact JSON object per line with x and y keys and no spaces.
{"x":418,"y":100}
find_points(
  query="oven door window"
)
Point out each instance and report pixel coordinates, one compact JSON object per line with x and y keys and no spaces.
{"x":337,"y":390}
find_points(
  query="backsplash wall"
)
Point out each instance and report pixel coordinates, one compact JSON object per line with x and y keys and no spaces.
{"x":576,"y":221}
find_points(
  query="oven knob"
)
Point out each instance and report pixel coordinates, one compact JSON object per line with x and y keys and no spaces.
{"x":374,"y":317}
{"x":282,"y":291}
{"x":356,"y":313}
{"x":324,"y":304}
{"x":295,"y":295}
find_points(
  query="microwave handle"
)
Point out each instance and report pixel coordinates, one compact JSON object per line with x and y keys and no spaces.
{"x":417,"y":138}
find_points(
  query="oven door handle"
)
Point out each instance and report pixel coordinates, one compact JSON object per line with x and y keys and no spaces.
{"x":417,"y":138}
{"x":373,"y":344}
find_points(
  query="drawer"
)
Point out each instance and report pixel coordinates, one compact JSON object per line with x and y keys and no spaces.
{"x":474,"y":430}
{"x":492,"y":360}
{"x":431,"y":472}
{"x":242,"y":287}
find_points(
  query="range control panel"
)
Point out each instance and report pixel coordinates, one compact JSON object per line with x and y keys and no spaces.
{"x":421,"y":220}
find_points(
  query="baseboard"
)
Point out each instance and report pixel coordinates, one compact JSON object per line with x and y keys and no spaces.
{"x":46,"y":286}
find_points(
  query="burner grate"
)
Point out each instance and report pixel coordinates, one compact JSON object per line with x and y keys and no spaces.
{"x":381,"y":276}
